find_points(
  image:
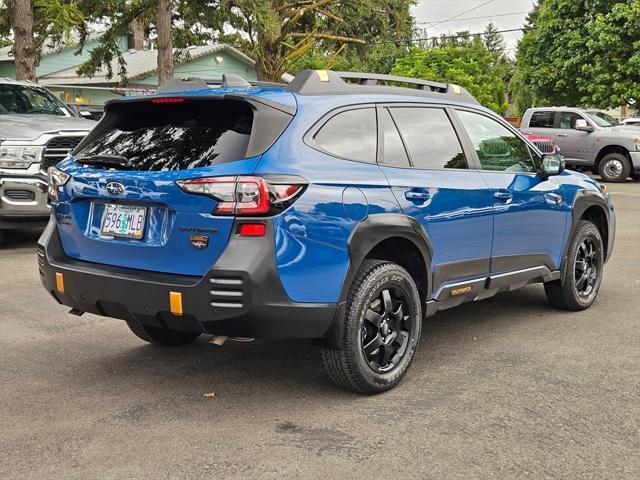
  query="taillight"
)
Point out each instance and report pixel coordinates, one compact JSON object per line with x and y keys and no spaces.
{"x":246,"y":195}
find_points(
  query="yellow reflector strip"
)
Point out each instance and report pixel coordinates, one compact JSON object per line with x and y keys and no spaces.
{"x":323,"y":74}
{"x":456,"y":89}
{"x":175,"y":302}
{"x":59,"y":282}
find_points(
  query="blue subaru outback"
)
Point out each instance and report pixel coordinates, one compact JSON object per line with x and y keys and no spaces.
{"x":342,"y":207}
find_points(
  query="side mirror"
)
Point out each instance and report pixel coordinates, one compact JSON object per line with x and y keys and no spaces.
{"x":552,"y":165}
{"x":583,"y":126}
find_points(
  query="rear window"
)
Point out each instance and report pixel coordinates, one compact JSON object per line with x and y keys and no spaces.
{"x":351,"y":135}
{"x":173,"y":136}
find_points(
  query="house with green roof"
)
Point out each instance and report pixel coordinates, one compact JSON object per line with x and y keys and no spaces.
{"x":57,"y":70}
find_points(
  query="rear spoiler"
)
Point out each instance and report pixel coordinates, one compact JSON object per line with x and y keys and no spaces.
{"x":270,"y":118}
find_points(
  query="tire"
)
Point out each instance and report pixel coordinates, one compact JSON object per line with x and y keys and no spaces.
{"x":581,"y":276}
{"x":614,"y":167}
{"x":386,"y":325}
{"x":161,"y":336}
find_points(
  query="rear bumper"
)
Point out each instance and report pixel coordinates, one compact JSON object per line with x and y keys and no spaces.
{"x":23,"y":202}
{"x":240,"y":295}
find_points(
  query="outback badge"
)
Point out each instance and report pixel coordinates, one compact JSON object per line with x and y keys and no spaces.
{"x":199,"y":241}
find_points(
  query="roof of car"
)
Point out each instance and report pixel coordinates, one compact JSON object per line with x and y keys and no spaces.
{"x":311,"y":83}
{"x":319,"y":90}
{"x":556,"y":109}
{"x":11,"y":81}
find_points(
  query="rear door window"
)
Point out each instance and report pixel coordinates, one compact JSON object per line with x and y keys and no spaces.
{"x":430,"y":138}
{"x":174,"y":136}
{"x":568,"y":120}
{"x":542,"y":120}
{"x":350,"y":134}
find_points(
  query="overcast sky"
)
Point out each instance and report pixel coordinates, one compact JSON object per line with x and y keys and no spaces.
{"x":466,"y":13}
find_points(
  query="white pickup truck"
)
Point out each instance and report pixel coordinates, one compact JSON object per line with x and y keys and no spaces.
{"x":37,"y":130}
{"x":588,"y":139}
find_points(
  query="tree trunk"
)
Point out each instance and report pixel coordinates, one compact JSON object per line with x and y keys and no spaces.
{"x":24,"y":50}
{"x":269,"y":52}
{"x":165,"y":46}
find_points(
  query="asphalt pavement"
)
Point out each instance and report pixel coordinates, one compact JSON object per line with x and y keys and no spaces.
{"x":503,"y":388}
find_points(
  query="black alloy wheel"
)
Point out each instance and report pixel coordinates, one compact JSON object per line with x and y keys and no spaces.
{"x":386,"y":329}
{"x":379,"y":332}
{"x":582,"y":269}
{"x":586,"y":267}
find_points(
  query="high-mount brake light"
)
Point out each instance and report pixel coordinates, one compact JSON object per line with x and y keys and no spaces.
{"x":243,"y":194}
{"x":167,"y":100}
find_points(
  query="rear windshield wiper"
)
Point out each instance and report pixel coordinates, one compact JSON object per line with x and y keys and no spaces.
{"x":106,"y":160}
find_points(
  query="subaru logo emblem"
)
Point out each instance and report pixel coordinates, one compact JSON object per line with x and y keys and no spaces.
{"x":115,"y":188}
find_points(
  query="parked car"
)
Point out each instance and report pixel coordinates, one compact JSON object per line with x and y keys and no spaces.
{"x":544,"y":144}
{"x":589,"y":139}
{"x":335,"y":208}
{"x":37,"y":130}
{"x":635,"y":121}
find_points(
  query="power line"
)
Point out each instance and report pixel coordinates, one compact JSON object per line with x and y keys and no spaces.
{"x":446,"y":37}
{"x":462,"y":13}
{"x":438,"y":22}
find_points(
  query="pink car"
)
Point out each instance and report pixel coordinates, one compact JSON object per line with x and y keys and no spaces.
{"x":544,"y":144}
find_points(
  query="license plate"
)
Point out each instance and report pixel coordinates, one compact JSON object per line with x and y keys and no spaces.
{"x":123,"y":221}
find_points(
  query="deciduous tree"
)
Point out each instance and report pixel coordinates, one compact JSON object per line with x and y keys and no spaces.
{"x":465,"y":62}
{"x":30,"y":25}
{"x":165,"y":45}
{"x":581,"y":53}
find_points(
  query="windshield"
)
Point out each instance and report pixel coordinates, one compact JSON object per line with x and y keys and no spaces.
{"x":30,"y":100}
{"x":602,"y":119}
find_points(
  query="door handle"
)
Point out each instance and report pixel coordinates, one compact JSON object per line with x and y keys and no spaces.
{"x":503,"y":195}
{"x":563,"y":135}
{"x":417,"y":195}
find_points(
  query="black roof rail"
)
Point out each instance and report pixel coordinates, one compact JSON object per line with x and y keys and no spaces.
{"x":328,"y":82}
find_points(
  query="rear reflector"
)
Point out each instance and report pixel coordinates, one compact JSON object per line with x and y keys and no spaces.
{"x":253,"y":230}
{"x":167,"y":100}
{"x":59,"y":282}
{"x":175,"y":303}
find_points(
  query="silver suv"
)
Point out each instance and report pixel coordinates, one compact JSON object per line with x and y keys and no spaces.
{"x":589,"y":139}
{"x":37,"y":130}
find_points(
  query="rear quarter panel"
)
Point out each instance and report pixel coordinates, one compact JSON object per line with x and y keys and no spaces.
{"x":311,"y":237}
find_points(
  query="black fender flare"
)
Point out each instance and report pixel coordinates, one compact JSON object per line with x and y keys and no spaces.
{"x":364,"y":237}
{"x":584,"y":200}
